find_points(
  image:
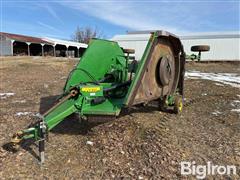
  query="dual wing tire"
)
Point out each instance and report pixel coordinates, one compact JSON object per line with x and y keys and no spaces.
{"x":200,"y":48}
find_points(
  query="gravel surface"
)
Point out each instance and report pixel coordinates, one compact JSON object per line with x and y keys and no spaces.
{"x":143,"y":143}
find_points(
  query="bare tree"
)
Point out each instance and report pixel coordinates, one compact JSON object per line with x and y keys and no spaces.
{"x":84,"y":34}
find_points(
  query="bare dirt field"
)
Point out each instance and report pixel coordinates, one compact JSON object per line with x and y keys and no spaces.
{"x":143,"y":143}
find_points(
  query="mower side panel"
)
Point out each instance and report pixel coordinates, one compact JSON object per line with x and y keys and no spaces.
{"x":145,"y":86}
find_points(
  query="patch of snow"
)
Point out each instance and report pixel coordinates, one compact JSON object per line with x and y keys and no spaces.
{"x":89,"y":143}
{"x":236,"y":110}
{"x":232,"y":79}
{"x":6,"y":95}
{"x":29,"y":113}
{"x":38,"y":115}
{"x":20,"y":101}
{"x":236,"y":103}
{"x":23,"y":113}
{"x":216,"y":113}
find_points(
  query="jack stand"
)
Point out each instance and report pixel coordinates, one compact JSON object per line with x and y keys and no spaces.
{"x":43,"y":131}
{"x":41,"y":151}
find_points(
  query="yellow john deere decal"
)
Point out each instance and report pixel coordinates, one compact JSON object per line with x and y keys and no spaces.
{"x":90,"y":89}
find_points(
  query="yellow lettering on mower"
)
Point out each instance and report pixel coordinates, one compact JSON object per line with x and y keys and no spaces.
{"x":90,"y":89}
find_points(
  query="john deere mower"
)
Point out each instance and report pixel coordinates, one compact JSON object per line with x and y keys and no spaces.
{"x":106,"y":80}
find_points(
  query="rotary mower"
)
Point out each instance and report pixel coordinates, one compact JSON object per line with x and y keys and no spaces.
{"x":106,"y":80}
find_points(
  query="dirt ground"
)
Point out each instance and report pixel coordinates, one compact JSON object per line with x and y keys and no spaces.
{"x":143,"y":143}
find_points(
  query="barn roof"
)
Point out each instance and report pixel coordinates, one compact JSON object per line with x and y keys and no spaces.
{"x":23,"y":38}
{"x":45,"y":40}
{"x":66,"y":43}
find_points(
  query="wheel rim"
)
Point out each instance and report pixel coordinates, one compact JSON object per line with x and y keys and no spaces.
{"x":165,"y":71}
{"x":180,"y":106}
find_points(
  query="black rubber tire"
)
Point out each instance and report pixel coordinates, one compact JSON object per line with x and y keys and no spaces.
{"x":178,"y":105}
{"x":200,"y":48}
{"x":129,"y":51}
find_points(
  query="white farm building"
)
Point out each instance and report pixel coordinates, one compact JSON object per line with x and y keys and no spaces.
{"x":17,"y":45}
{"x":224,"y":46}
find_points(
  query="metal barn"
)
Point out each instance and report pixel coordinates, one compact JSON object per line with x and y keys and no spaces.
{"x":15,"y":45}
{"x":224,"y":46}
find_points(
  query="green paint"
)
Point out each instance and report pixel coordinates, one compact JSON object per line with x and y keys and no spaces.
{"x":194,"y":57}
{"x":139,"y":69}
{"x":102,"y":58}
{"x":170,"y":100}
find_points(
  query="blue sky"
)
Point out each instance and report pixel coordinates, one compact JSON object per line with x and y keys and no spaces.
{"x":60,"y":18}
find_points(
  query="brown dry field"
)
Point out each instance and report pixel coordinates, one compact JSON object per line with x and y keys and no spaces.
{"x":143,"y":143}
